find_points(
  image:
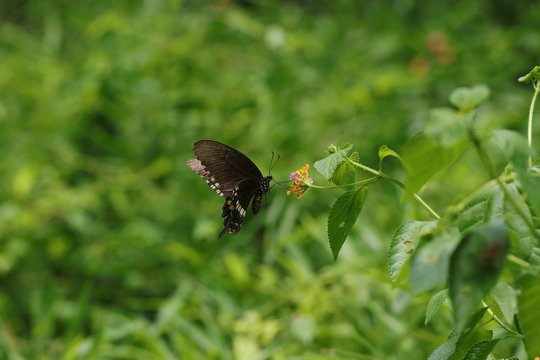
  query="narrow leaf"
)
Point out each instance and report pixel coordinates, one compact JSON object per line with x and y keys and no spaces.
{"x":425,"y":158}
{"x":475,"y":266}
{"x":534,"y":74}
{"x":529,"y":316}
{"x":404,"y":244}
{"x":435,"y":304}
{"x":327,"y":166}
{"x":342,"y":217}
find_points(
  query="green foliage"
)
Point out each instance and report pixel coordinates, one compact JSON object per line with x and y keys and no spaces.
{"x":403,"y":245}
{"x":466,"y":99}
{"x":529,"y":317}
{"x":345,"y":172}
{"x":328,"y":165}
{"x":435,"y":304}
{"x":108,"y":243}
{"x":385,"y":151}
{"x":425,"y":158}
{"x":342,"y":217}
{"x":475,"y":266}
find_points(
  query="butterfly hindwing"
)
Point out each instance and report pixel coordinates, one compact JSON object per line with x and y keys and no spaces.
{"x":232,"y":175}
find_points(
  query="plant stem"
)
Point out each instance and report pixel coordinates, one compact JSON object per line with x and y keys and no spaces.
{"x":493,"y":173}
{"x":380,"y":174}
{"x":499,"y":321}
{"x":531,"y":112}
{"x":518,"y":261}
{"x":361,"y":183}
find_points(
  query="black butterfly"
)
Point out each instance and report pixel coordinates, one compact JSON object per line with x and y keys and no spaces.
{"x":232,"y":175}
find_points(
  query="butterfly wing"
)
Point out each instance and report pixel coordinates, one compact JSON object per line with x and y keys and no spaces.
{"x":235,"y":206}
{"x":232,"y":175}
{"x":221,"y":166}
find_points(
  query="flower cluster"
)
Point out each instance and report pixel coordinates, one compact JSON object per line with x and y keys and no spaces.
{"x":301,"y":182}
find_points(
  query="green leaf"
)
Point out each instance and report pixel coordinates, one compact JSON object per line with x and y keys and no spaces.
{"x":447,"y":127}
{"x":504,"y":301}
{"x":523,"y":240}
{"x":475,"y":266}
{"x":327,"y":166}
{"x":459,"y":341}
{"x":513,"y":146}
{"x":469,"y":340}
{"x":424,"y":158}
{"x":530,"y":184}
{"x":484,"y":207}
{"x":345,"y":172}
{"x":528,"y":314}
{"x":435,"y":304}
{"x":467,"y":98}
{"x":447,"y":349}
{"x":429,"y":266}
{"x":534,"y":74}
{"x":342,"y":217}
{"x":481,"y":350}
{"x":385,"y":151}
{"x":404,"y":244}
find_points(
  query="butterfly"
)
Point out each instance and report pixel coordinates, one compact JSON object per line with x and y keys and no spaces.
{"x":232,"y":175}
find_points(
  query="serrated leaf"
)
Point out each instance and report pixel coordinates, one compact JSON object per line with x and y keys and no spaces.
{"x":342,"y":217}
{"x":327,"y":166}
{"x":459,"y":341}
{"x":435,"y":304}
{"x":424,"y":158}
{"x":484,"y":207}
{"x":481,"y":350}
{"x":475,"y":266}
{"x":528,"y":314}
{"x":446,"y":349}
{"x":404,"y":244}
{"x":467,"y":98}
{"x":429,"y":266}
{"x":385,"y":151}
{"x":469,"y":340}
{"x":345,"y":172}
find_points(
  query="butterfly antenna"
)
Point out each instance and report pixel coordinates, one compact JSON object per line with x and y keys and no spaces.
{"x":272,"y":162}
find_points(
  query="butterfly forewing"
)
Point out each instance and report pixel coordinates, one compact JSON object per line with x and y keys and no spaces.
{"x":232,"y":175}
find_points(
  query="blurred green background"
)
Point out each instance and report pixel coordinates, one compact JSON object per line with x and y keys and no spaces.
{"x":108,"y":243}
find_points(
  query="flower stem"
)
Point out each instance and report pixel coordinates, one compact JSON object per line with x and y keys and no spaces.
{"x":361,"y":183}
{"x":380,"y":174}
{"x":531,"y":112}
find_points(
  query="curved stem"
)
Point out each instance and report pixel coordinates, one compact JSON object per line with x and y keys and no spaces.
{"x":531,"y":112}
{"x":499,"y":321}
{"x":380,"y":174}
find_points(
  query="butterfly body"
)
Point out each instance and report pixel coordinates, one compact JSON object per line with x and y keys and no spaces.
{"x":232,"y":175}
